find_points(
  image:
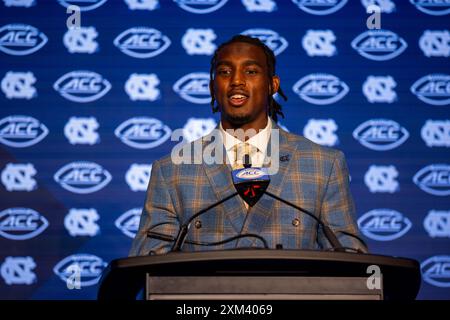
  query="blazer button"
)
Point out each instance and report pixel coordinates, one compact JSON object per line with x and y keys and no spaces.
{"x":295,"y":222}
{"x":198,"y":224}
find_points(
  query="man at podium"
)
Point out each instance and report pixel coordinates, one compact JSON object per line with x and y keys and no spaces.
{"x":308,"y":195}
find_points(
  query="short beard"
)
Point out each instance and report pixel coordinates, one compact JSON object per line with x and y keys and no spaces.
{"x":237,"y":121}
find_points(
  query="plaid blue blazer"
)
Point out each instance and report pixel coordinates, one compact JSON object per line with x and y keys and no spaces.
{"x":311,"y":176}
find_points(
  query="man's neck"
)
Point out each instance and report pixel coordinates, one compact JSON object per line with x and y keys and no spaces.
{"x":250,"y":128}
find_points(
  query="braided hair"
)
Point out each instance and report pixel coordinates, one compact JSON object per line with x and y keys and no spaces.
{"x":274,"y":106}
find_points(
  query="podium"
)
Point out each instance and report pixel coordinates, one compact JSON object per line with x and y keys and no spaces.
{"x":249,"y":274}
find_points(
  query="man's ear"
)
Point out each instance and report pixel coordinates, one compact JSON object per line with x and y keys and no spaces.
{"x":275,"y":84}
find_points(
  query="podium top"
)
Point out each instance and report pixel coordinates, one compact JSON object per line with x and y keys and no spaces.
{"x":124,"y":278}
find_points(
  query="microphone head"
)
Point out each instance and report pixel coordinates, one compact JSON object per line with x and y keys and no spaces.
{"x":251,"y":183}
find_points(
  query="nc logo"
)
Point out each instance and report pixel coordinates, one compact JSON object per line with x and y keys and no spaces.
{"x":19,"y":3}
{"x":143,"y":132}
{"x":128,"y":222}
{"x":19,"y":177}
{"x":380,"y":89}
{"x":386,"y":6}
{"x":89,"y":267}
{"x":199,"y":41}
{"x":21,"y":39}
{"x":435,"y":8}
{"x":260,"y":5}
{"x":379,"y":45}
{"x":81,"y":40}
{"x":18,"y":270}
{"x":435,"y":43}
{"x":200,"y":6}
{"x":21,"y":131}
{"x":83,"y":4}
{"x":142,"y":87}
{"x":320,"y":7}
{"x":138,"y":176}
{"x":436,"y":133}
{"x":196,"y":128}
{"x":194,"y":87}
{"x":436,"y":271}
{"x":381,"y":179}
{"x":321,"y":131}
{"x":319,"y":43}
{"x":384,"y":224}
{"x":270,"y":38}
{"x":434,"y":179}
{"x":142,"y":42}
{"x":82,"y":86}
{"x":82,"y":130}
{"x":437,"y":224}
{"x":433,"y":89}
{"x":82,"y":177}
{"x":19,"y":85}
{"x":21,"y":223}
{"x":380,"y":134}
{"x":82,"y":222}
{"x":320,"y":89}
{"x":142,"y":4}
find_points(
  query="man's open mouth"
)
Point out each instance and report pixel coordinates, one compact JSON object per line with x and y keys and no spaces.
{"x":237,"y":99}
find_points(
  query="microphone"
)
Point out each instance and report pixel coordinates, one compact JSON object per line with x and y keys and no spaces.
{"x":252,"y":183}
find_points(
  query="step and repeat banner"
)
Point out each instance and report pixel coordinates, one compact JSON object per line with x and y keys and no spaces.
{"x":92,"y":90}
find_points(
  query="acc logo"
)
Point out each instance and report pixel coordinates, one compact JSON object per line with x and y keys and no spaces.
{"x":142,"y":4}
{"x":19,"y":85}
{"x":196,"y":128}
{"x":250,"y":173}
{"x":384,"y":224}
{"x":320,"y":7}
{"x":81,"y":40}
{"x":270,"y":38}
{"x":81,"y":222}
{"x":433,"y":89}
{"x":128,"y":222}
{"x":21,"y":131}
{"x":436,"y":271}
{"x":19,"y":177}
{"x":200,"y":6}
{"x":434,"y":179}
{"x":82,"y":86}
{"x":320,"y":88}
{"x":83,"y":4}
{"x":319,"y":43}
{"x":143,"y":132}
{"x":82,"y":130}
{"x":19,"y":3}
{"x":379,"y":45}
{"x":142,"y":87}
{"x":142,"y":42}
{"x":435,"y":43}
{"x":21,"y":223}
{"x":321,"y":131}
{"x":381,"y":179}
{"x":194,"y":87}
{"x":18,"y":270}
{"x":259,"y":5}
{"x":91,"y":268}
{"x":380,"y":89}
{"x":435,"y":8}
{"x":436,"y":133}
{"x":138,"y":176}
{"x":199,"y":41}
{"x":380,"y":134}
{"x":386,"y":6}
{"x":437,"y":223}
{"x":82,"y":177}
{"x":21,"y":39}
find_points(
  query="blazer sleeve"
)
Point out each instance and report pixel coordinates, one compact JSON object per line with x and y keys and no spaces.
{"x":338,"y":208}
{"x":158,"y":215}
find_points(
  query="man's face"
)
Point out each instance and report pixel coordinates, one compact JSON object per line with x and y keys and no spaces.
{"x":241,"y":86}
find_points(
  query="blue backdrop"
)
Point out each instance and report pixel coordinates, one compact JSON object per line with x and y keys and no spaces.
{"x":85,"y":110}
